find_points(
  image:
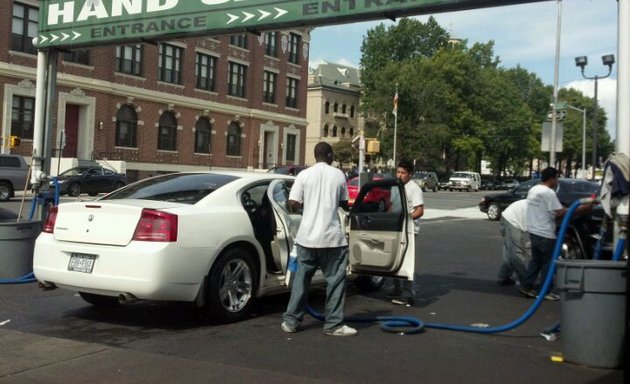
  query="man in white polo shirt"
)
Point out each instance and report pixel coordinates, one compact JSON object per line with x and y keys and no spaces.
{"x":321,"y":242}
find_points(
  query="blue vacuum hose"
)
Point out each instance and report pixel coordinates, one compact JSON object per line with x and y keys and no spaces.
{"x":407,"y":324}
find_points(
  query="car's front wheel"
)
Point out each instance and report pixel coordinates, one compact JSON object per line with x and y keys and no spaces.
{"x":230,"y":286}
{"x":494,"y":211}
{"x":99,"y":300}
{"x":74,"y":189}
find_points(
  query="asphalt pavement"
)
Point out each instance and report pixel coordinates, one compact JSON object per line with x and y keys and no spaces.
{"x":54,"y":337}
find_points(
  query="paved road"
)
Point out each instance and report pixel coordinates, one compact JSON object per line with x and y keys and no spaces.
{"x":56,"y":337}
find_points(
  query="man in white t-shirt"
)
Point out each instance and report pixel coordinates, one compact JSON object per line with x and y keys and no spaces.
{"x":404,"y":291}
{"x":321,"y":242}
{"x":543,"y":208}
{"x":516,"y":246}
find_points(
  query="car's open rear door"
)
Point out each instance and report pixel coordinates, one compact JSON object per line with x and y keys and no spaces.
{"x":381,"y":235}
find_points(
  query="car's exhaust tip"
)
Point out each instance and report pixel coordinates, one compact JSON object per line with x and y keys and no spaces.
{"x":46,"y":286}
{"x":126,"y":298}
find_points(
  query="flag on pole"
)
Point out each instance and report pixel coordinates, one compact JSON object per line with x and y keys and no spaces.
{"x":395,"y":111}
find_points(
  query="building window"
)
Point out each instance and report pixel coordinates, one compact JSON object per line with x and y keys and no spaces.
{"x":78,"y":56}
{"x":343,"y":132}
{"x":24,"y":28}
{"x":351,"y":132}
{"x":236,"y":80}
{"x":167,"y":132}
{"x":334,"y":132}
{"x":294,"y":44}
{"x":343,"y":109}
{"x":239,"y":40}
{"x":129,"y":59}
{"x":234,"y":140}
{"x":292,"y":85}
{"x":325,"y":134}
{"x":269,"y":87}
{"x":327,"y":108}
{"x":205,"y":68}
{"x":126,"y":127}
{"x":203,"y":128}
{"x":271,"y":46}
{"x":170,"y":63}
{"x":22,"y":114}
{"x":336,"y":108}
{"x":352,"y":111}
{"x":291,"y":140}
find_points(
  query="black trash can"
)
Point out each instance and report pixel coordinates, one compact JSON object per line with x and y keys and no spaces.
{"x":593,"y":311}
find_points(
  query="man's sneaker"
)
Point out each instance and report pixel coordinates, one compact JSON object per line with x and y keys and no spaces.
{"x":403,"y":301}
{"x":288,"y":328}
{"x":506,"y":282}
{"x":343,"y":330}
{"x":530,"y":293}
{"x":552,"y":297}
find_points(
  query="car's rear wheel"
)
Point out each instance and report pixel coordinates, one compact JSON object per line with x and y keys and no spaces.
{"x":230,"y":286}
{"x":118,"y":185}
{"x":494,"y":211}
{"x":5,"y":191}
{"x":99,"y":300}
{"x":74,"y":189}
{"x":369,"y":283}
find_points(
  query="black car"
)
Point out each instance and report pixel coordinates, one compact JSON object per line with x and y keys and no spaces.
{"x":89,"y":179}
{"x":568,"y":191}
{"x":581,"y":235}
{"x":488,"y":185}
{"x":292,"y":170}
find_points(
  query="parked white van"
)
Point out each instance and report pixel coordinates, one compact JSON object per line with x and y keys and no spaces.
{"x":465,"y":180}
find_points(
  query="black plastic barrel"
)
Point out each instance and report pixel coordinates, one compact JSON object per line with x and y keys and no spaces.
{"x":593,"y":311}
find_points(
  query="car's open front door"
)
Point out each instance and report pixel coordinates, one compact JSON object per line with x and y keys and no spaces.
{"x":381,"y":237}
{"x":278,"y":194}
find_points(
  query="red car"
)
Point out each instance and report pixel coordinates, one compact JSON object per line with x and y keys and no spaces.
{"x":377,"y":195}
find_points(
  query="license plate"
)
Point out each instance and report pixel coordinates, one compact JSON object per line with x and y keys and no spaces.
{"x":80,"y":262}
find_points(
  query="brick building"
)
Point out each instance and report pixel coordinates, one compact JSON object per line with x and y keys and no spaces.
{"x":228,"y":102}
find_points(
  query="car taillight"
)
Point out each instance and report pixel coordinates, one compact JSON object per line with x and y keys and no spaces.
{"x":156,"y":226}
{"x":51,"y":217}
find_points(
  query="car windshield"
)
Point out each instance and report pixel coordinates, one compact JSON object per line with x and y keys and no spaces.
{"x":460,"y":174}
{"x":187,"y":188}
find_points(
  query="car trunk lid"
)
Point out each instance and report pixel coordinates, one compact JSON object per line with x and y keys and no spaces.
{"x":96,"y":222}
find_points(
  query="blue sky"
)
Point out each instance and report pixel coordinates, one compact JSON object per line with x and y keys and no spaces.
{"x":523,"y":34}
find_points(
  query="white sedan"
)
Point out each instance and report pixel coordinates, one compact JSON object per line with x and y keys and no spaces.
{"x":218,"y":239}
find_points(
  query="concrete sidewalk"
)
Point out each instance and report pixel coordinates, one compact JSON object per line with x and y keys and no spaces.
{"x":30,"y":358}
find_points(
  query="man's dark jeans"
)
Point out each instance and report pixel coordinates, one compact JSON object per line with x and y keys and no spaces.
{"x":542,"y":250}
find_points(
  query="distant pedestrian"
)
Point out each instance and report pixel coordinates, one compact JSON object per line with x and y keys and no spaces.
{"x":516,"y":251}
{"x":321,"y":242}
{"x":404,"y":292}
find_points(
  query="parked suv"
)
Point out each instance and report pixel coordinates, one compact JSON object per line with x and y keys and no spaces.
{"x":426,"y":180}
{"x":13,"y":175}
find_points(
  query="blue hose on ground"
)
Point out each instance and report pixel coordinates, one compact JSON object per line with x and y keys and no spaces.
{"x":28,"y":278}
{"x":400,"y":324}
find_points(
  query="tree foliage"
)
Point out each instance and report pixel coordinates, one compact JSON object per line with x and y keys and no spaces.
{"x":457,"y":105}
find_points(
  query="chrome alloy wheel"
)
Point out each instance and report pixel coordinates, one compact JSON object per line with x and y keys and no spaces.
{"x":236,"y":285}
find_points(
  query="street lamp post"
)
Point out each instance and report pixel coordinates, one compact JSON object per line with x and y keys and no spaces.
{"x":583,"y":136}
{"x":582,"y":61}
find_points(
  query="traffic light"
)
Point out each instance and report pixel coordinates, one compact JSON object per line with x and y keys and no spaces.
{"x":14,"y":141}
{"x":373,"y":146}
